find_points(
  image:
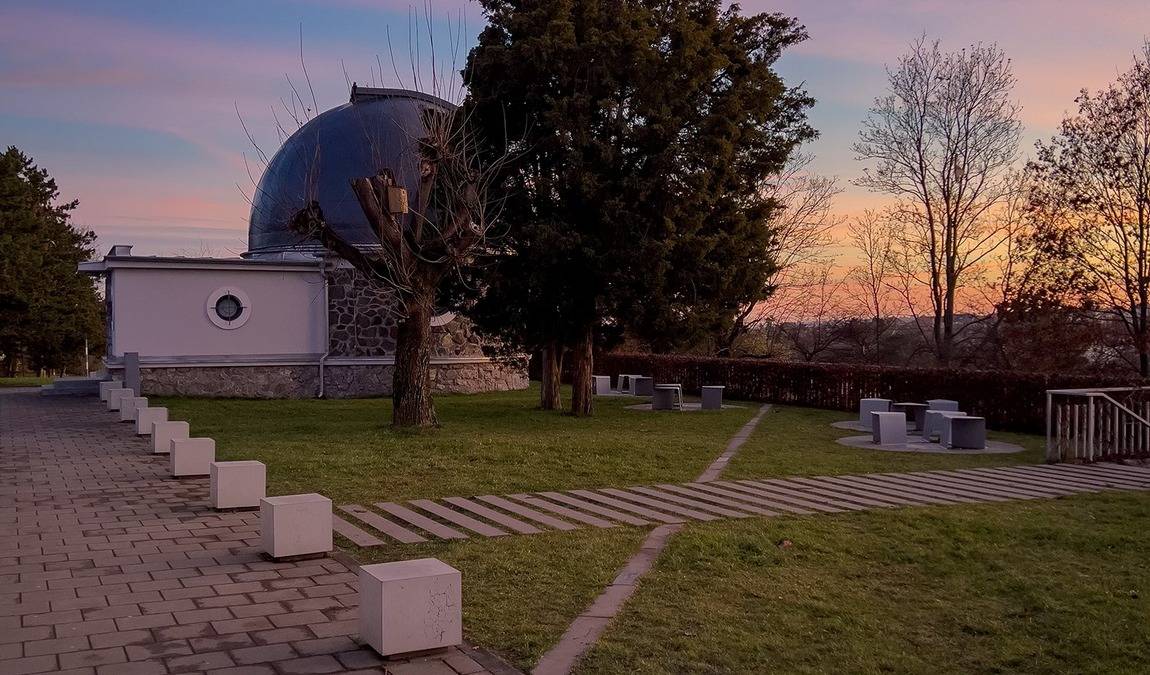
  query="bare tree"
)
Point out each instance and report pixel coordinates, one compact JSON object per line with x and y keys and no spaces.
{"x":803,"y":231}
{"x":421,"y":243}
{"x":871,"y":235}
{"x":820,"y":313}
{"x":942,"y":141}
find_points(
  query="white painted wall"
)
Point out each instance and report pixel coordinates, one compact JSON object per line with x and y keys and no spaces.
{"x":161,"y":312}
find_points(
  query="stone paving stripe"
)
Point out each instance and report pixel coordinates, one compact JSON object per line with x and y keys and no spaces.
{"x":1138,"y":482}
{"x":659,"y":504}
{"x":419,"y":520}
{"x":715,"y":469}
{"x":458,"y":518}
{"x":937,"y":485}
{"x":400,"y":534}
{"x":1123,"y":472}
{"x":1044,"y":479}
{"x":885,"y":490}
{"x":836,"y":496}
{"x":1143,"y":469}
{"x":563,"y":511}
{"x":715,"y":499}
{"x":911,"y":489}
{"x":625,"y":506}
{"x":746,"y":496}
{"x":1059,"y":472}
{"x":1015,"y":482}
{"x":692,"y":503}
{"x":981,"y":485}
{"x":530,"y":514}
{"x":493,"y":515}
{"x":792,"y":496}
{"x":855,"y":492}
{"x":353,"y":533}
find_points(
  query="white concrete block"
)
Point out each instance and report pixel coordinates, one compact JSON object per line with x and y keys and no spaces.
{"x":129,"y":406}
{"x":238,"y":485}
{"x":871,"y":405}
{"x":192,"y":456}
{"x":602,"y":384}
{"x":935,"y":422}
{"x":941,"y":404}
{"x":712,"y":396}
{"x":108,"y":385}
{"x":163,"y":433}
{"x":410,"y":606}
{"x":296,"y":525}
{"x":114,"y":396}
{"x":888,"y":428}
{"x":147,"y":417}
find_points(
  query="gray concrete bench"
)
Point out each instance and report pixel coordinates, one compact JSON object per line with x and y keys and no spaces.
{"x":712,"y":396}
{"x":871,"y":405}
{"x":888,"y":428}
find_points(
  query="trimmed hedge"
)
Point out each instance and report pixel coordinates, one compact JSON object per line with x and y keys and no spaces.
{"x":1010,"y":401}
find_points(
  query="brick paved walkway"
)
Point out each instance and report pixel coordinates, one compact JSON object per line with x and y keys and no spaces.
{"x":110,"y":566}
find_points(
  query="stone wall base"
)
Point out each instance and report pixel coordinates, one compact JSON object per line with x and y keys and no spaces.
{"x":340,"y":381}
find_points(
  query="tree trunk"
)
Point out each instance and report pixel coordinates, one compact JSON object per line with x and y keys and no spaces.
{"x":549,"y":393}
{"x":412,"y":405}
{"x":582,"y":399}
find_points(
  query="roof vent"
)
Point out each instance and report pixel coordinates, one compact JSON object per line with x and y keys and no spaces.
{"x":120,"y":250}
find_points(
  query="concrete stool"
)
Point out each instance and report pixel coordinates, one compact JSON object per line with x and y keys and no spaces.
{"x":192,"y":456}
{"x":163,"y":433}
{"x":915,"y":413}
{"x":888,"y":428}
{"x":667,"y":397}
{"x":410,"y":606}
{"x":238,"y":485}
{"x":296,"y":525}
{"x":108,"y":385}
{"x":934,"y":421}
{"x":712,"y":396}
{"x":601,"y":384}
{"x":967,"y":433}
{"x":129,"y":406}
{"x":627,"y":383}
{"x":114,"y":396}
{"x":871,"y":405}
{"x":642,"y":386}
{"x":147,"y":417}
{"x":941,"y":404}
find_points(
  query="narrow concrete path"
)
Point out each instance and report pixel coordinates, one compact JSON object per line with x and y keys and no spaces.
{"x":584,"y":632}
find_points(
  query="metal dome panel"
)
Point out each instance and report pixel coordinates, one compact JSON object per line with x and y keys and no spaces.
{"x":378,"y":129}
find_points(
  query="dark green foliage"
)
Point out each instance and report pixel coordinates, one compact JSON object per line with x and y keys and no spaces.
{"x":47,"y":308}
{"x":643,"y":133}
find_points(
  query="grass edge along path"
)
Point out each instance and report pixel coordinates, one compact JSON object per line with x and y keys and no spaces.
{"x":586,"y":629}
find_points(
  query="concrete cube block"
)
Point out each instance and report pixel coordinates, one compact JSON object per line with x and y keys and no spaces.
{"x":967,"y":432}
{"x":602,"y":384}
{"x":129,"y":406}
{"x":888,"y":428}
{"x":114,"y":396}
{"x":712,"y":396}
{"x":934,"y":420}
{"x":643,"y":386}
{"x":108,"y":385}
{"x":410,"y":606}
{"x":871,"y":405}
{"x":295,"y":525}
{"x":163,"y":433}
{"x":915,"y":413}
{"x":147,"y":417}
{"x":192,"y":456}
{"x":941,"y":404}
{"x":238,"y":485}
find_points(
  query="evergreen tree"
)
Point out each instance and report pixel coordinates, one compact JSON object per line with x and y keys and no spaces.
{"x":47,"y":308}
{"x":643,"y":133}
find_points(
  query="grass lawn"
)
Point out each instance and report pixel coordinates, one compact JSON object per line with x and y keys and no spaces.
{"x":800,"y":441}
{"x":1042,"y":586}
{"x":488,"y":443}
{"x":31,"y":381}
{"x":1026,"y":586}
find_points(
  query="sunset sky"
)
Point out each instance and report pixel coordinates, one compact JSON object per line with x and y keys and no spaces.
{"x":132,"y":106}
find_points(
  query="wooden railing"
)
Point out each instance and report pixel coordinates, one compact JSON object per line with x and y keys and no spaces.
{"x":1090,"y":425}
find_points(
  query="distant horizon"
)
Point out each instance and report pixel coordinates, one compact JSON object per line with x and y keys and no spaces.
{"x":133,"y":109}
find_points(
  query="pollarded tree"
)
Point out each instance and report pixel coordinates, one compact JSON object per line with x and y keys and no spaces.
{"x":647,"y":130}
{"x":1092,"y":201}
{"x":943,"y":141}
{"x":47,"y":308}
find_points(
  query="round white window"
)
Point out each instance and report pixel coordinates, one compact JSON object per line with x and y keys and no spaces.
{"x":228,"y":307}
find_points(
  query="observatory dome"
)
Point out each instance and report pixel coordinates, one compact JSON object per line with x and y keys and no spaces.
{"x":377,"y":129}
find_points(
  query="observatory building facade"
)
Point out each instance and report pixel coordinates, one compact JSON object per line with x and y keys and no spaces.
{"x":287,"y":319}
